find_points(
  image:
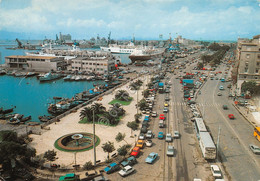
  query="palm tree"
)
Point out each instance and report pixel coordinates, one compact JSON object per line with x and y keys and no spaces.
{"x":86,"y":113}
{"x":120,"y":137}
{"x":122,"y":95}
{"x":98,"y":108}
{"x":108,"y":147}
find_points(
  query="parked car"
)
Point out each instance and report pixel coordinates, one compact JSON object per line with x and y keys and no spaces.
{"x":141,"y":136}
{"x":170,"y":150}
{"x":148,"y":143}
{"x":126,"y":171}
{"x":166,"y":104}
{"x":149,"y":134}
{"x":151,"y":157}
{"x":135,"y":152}
{"x":112,"y":168}
{"x":176,"y":134}
{"x":168,"y":137}
{"x":167,"y":90}
{"x":144,"y":129}
{"x":219,"y":94}
{"x":154,"y":114}
{"x":160,"y":135}
{"x":216,"y":171}
{"x":140,"y":143}
{"x":255,"y":149}
{"x":221,"y":87}
{"x":129,"y":161}
{"x":231,"y":116}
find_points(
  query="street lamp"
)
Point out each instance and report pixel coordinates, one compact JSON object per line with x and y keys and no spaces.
{"x":94,"y":136}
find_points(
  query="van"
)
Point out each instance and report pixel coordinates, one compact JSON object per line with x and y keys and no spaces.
{"x":161,"y":124}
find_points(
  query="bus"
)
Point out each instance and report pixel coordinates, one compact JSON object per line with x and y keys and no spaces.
{"x":207,"y":146}
{"x":199,"y":126}
{"x":257,"y":133}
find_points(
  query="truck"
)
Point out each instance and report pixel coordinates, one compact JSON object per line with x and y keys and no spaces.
{"x":161,"y":87}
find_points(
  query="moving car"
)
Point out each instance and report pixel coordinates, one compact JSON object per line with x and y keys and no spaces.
{"x":112,"y":168}
{"x":148,"y":143}
{"x":255,"y":149}
{"x":135,"y":152}
{"x":167,"y":98}
{"x":129,"y":161}
{"x":176,"y":134}
{"x":162,"y":117}
{"x":219,"y":94}
{"x":151,"y":157}
{"x":225,"y":107}
{"x":165,"y":109}
{"x":170,"y":150}
{"x":160,"y":135}
{"x":231,"y":116}
{"x":140,"y":143}
{"x":126,"y":171}
{"x":166,"y":104}
{"x":168,"y":137}
{"x":216,"y":171}
{"x":149,"y":134}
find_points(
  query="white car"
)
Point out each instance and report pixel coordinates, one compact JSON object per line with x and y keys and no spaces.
{"x":170,"y":150}
{"x":148,"y":143}
{"x":126,"y":171}
{"x":141,"y":136}
{"x":216,"y":171}
{"x":149,"y":134}
{"x":176,"y":134}
{"x":168,"y":137}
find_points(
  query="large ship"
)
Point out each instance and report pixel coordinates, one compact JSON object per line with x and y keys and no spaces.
{"x":147,"y":53}
{"x":124,"y":49}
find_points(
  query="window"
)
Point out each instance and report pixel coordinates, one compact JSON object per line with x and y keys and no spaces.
{"x":256,"y":70}
{"x":247,"y":55}
{"x":257,"y":63}
{"x":256,"y":77}
{"x":246,"y":69}
{"x":245,"y":76}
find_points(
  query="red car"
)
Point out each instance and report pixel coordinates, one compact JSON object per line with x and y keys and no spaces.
{"x":135,"y":152}
{"x":231,"y":116}
{"x":161,"y":117}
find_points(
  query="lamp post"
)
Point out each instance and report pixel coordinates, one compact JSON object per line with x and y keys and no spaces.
{"x":94,"y":138}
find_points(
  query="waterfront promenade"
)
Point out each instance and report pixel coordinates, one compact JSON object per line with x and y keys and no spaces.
{"x":69,"y":124}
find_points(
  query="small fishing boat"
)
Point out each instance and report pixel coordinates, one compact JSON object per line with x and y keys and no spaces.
{"x":49,"y":77}
{"x":30,"y":74}
{"x":15,"y":119}
{"x":26,"y":119}
{"x":2,"y":72}
{"x":7,"y":111}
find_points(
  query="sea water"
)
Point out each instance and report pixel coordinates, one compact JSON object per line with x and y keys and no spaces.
{"x":29,"y":96}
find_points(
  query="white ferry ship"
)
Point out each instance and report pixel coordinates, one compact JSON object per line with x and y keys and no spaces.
{"x":124,"y":49}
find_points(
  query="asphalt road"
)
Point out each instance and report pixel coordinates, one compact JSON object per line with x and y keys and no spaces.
{"x":235,"y":135}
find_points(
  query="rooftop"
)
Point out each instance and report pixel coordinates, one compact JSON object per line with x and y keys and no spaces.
{"x":30,"y":57}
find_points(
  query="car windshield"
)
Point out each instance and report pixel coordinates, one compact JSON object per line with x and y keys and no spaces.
{"x":150,"y":156}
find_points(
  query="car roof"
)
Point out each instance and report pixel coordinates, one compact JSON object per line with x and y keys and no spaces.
{"x":152,"y":154}
{"x":128,"y":167}
{"x":160,"y":132}
{"x":113,"y":164}
{"x":215,"y":167}
{"x":170,"y":146}
{"x":136,"y":148}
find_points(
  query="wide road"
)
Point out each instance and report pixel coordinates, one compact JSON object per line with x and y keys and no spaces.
{"x":235,"y":135}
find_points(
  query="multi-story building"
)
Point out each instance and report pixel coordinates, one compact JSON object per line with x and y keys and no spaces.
{"x":35,"y":63}
{"x":248,"y":56}
{"x":98,"y":62}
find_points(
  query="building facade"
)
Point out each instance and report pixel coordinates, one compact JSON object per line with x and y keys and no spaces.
{"x":248,"y":57}
{"x":99,"y":63}
{"x":35,"y":63}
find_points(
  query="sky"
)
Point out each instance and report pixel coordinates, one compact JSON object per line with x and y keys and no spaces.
{"x":145,"y":19}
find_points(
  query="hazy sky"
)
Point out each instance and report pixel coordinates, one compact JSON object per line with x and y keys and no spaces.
{"x":146,"y":19}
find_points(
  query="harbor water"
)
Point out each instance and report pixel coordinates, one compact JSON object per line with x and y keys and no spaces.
{"x":29,"y":96}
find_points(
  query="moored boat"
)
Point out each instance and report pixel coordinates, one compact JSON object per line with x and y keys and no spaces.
{"x":67,"y":78}
{"x":25,"y":119}
{"x":49,"y":77}
{"x":7,"y":111}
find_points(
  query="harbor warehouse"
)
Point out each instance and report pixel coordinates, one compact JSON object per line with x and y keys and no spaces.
{"x":35,"y":63}
{"x":96,"y":64}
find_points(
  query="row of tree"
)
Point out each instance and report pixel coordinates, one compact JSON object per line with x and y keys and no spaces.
{"x":216,"y":57}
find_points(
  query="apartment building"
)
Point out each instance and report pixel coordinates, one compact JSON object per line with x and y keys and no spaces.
{"x":248,"y":56}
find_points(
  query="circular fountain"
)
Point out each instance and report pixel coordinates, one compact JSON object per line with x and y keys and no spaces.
{"x":75,"y":142}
